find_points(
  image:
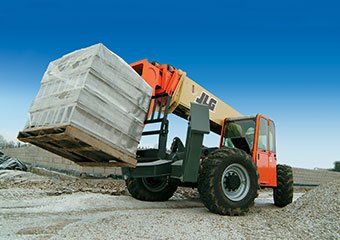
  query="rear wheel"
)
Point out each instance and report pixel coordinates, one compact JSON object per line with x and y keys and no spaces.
{"x":151,"y":188}
{"x":283,"y":193}
{"x":228,"y":182}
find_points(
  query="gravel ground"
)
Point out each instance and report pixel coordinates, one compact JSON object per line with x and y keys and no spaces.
{"x":37,"y":207}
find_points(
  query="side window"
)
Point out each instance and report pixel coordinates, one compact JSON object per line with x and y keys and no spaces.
{"x":272,"y":143}
{"x":263,"y":141}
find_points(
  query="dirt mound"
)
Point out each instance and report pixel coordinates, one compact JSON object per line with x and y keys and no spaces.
{"x":323,"y":200}
{"x":317,"y":213}
{"x":55,"y":186}
{"x":15,"y":176}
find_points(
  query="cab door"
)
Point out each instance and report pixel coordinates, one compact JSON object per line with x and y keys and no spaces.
{"x":265,"y":153}
{"x":272,"y":155}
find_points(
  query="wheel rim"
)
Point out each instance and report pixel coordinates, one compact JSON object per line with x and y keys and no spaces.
{"x":235,"y":182}
{"x":155,"y":184}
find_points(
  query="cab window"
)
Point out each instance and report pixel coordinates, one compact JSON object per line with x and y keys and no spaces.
{"x":239,"y":128}
{"x":272,"y":144}
{"x":263,"y":141}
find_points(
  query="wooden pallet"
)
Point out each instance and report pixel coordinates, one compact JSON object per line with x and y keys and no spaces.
{"x":76,"y":145}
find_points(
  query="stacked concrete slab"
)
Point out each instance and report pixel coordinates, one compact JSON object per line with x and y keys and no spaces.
{"x":98,"y":94}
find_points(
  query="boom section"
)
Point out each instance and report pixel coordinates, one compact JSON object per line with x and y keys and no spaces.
{"x":164,"y":78}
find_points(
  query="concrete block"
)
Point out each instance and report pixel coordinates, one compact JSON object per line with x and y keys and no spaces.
{"x":97,"y":92}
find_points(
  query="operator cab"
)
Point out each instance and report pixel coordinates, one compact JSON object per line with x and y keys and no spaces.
{"x":255,"y":134}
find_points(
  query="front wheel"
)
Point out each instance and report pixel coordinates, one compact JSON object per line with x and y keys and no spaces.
{"x":283,"y":192}
{"x":151,"y":188}
{"x":228,"y":182}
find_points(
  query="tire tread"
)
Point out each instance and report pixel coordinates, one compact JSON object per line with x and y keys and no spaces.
{"x":283,"y":193}
{"x":206,"y":181}
{"x":137,"y":190}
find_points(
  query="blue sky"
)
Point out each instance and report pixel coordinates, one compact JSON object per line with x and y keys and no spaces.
{"x":280,"y":58}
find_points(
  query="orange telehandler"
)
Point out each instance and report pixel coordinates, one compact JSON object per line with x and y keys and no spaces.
{"x":228,"y":177}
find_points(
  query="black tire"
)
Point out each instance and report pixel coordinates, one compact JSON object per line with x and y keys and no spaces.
{"x":283,"y":193}
{"x":216,"y":183}
{"x":151,"y":189}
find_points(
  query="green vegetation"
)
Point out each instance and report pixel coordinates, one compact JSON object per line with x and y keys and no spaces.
{"x":336,"y":166}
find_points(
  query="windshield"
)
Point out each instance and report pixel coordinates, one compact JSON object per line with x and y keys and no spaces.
{"x":239,"y":128}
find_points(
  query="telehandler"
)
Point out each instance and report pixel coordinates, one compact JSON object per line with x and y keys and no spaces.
{"x":227,"y":177}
